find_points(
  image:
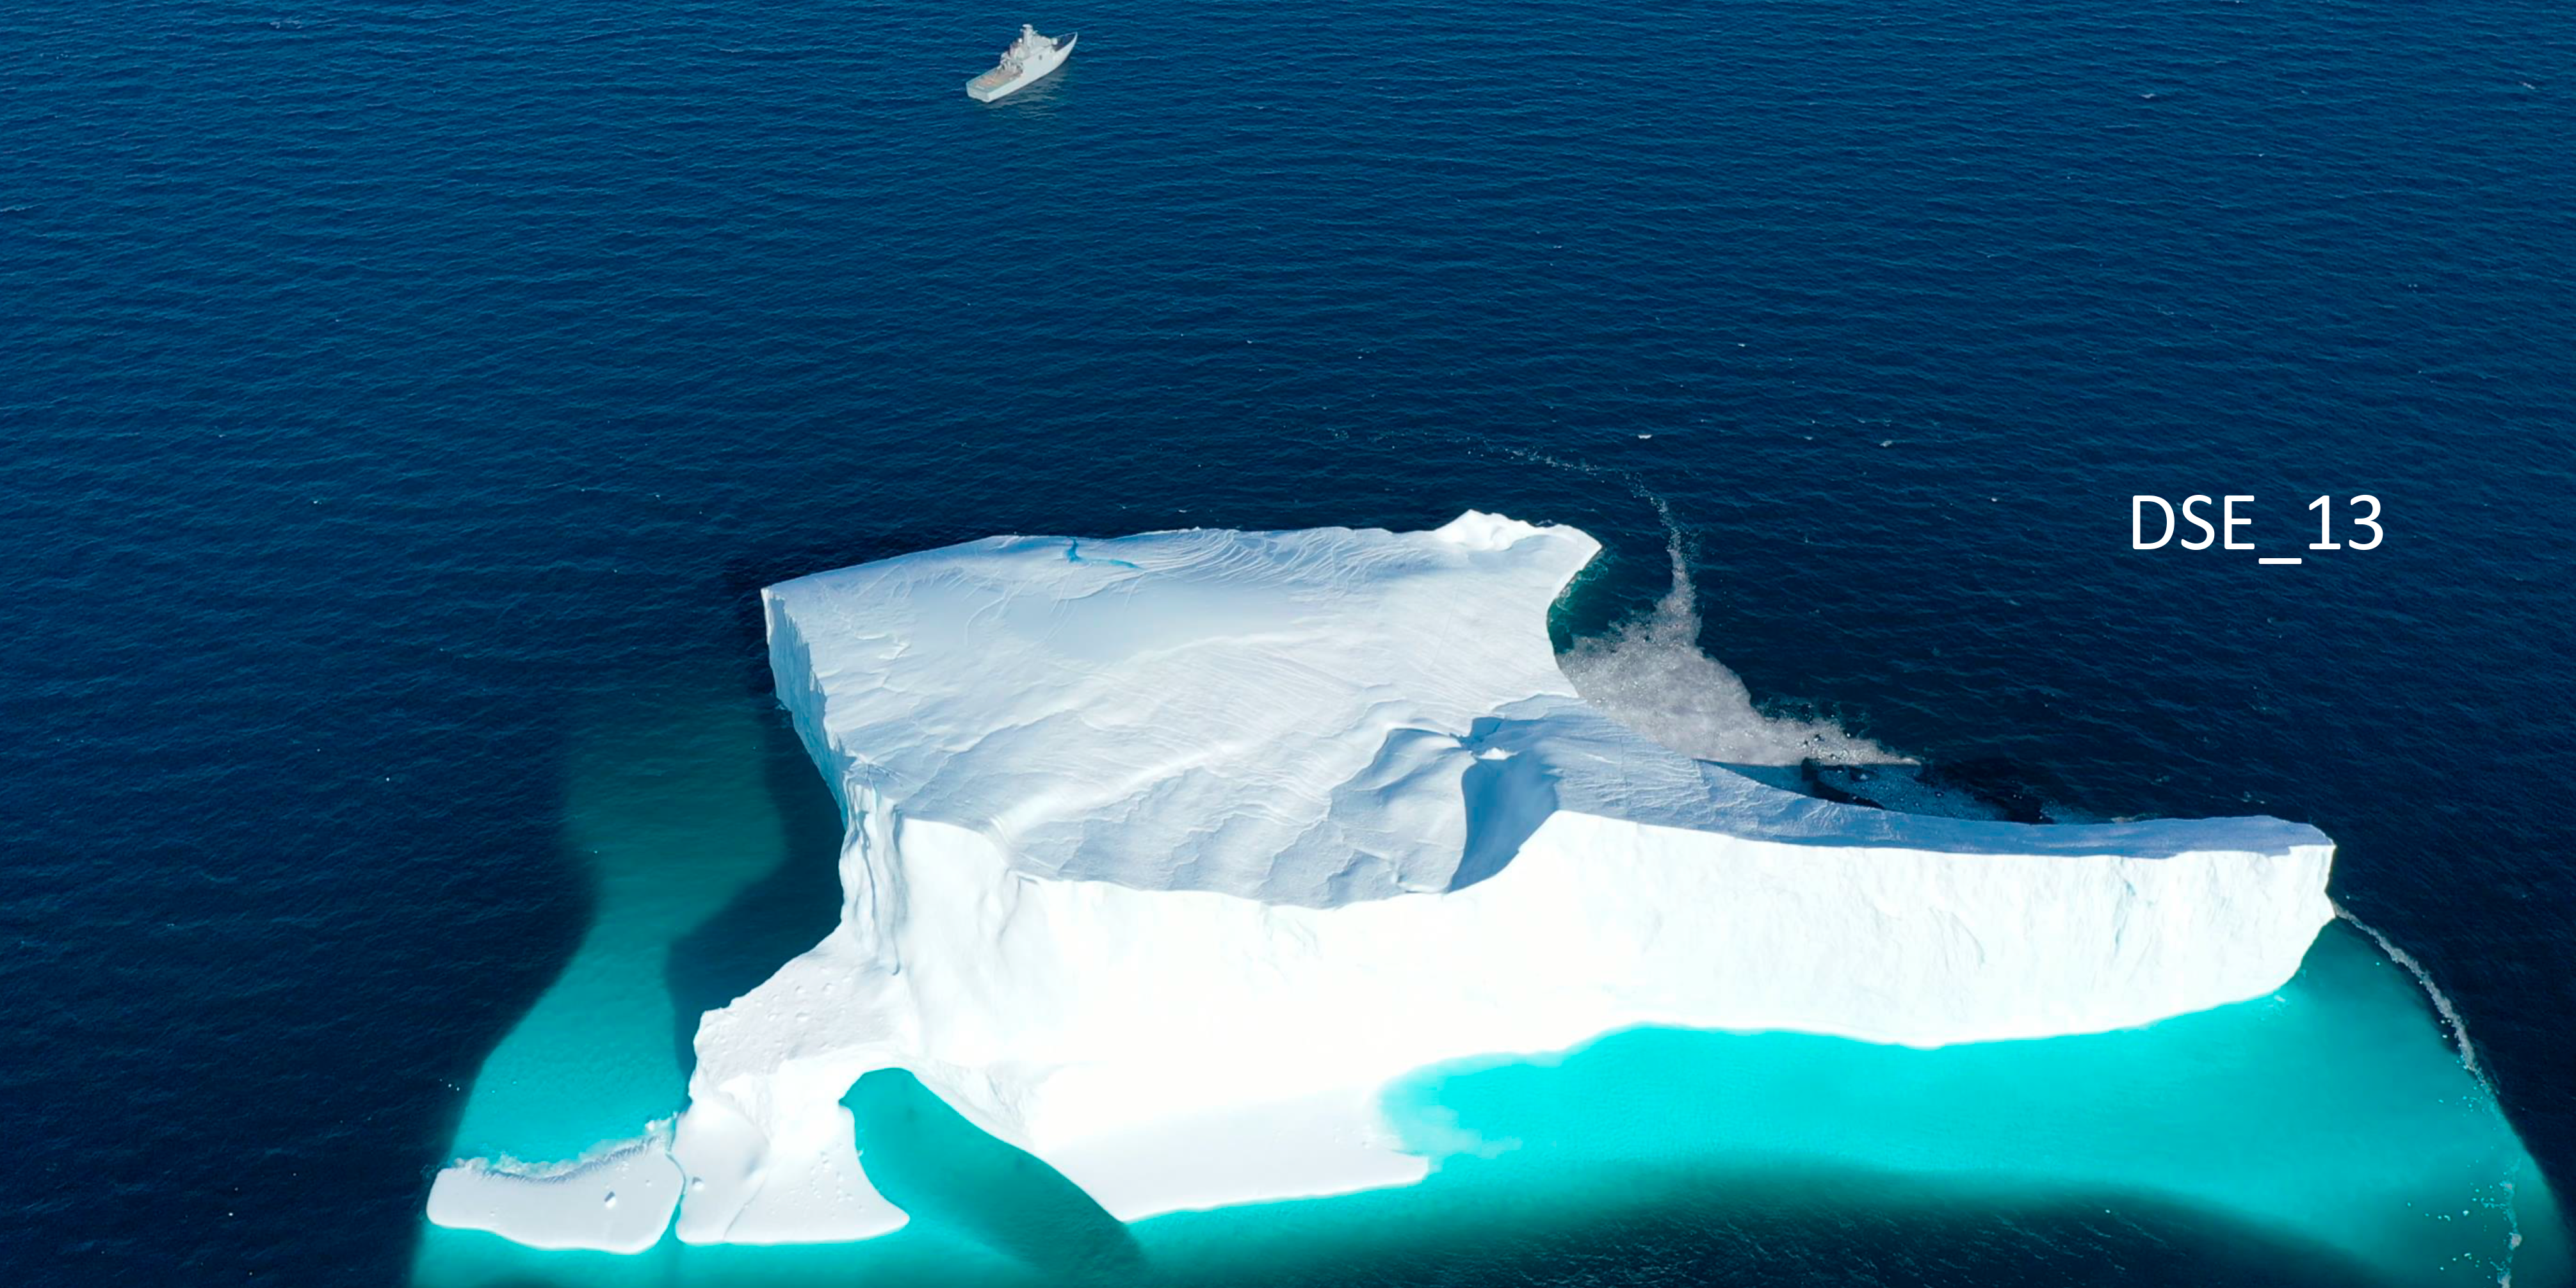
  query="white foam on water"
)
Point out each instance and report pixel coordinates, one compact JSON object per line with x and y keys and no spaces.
{"x":1651,"y":675}
{"x":2512,"y":1237}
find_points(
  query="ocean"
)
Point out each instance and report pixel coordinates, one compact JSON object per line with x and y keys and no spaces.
{"x":403,"y":404}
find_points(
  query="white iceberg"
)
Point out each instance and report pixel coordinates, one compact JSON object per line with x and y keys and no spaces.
{"x":1166,"y":854}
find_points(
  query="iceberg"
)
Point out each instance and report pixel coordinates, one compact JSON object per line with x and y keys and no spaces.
{"x":1166,"y":856}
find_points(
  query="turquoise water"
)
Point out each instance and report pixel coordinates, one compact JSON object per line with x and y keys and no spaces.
{"x":2331,"y":1126}
{"x":675,"y":812}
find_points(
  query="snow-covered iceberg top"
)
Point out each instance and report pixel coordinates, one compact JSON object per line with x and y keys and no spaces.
{"x":1166,"y":853}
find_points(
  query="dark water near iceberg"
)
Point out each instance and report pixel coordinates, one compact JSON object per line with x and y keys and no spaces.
{"x":395,"y":397}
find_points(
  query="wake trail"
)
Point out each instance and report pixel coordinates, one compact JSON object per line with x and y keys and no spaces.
{"x":2459,"y":1031}
{"x":2442,"y":1006}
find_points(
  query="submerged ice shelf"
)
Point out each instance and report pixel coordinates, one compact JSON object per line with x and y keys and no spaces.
{"x":1165,"y":856}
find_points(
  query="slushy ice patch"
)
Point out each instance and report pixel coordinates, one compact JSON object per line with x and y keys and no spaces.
{"x":1163,"y":863}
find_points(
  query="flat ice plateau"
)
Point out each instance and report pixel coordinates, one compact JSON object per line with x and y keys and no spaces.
{"x":1166,"y":854}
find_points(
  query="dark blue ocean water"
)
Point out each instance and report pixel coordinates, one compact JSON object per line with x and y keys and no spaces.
{"x":387,"y":389}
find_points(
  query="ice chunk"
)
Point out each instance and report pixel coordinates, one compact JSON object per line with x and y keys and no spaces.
{"x":620,"y":1201}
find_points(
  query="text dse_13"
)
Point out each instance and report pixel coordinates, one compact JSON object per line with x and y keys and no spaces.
{"x":2223,"y":533}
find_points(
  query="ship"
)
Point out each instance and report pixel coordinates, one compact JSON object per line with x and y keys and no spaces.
{"x":1027,"y":61}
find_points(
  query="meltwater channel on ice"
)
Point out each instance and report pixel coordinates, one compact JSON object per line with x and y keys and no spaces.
{"x":1192,"y":863}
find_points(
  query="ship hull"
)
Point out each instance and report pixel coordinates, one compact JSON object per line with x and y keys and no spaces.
{"x":1028,"y":76}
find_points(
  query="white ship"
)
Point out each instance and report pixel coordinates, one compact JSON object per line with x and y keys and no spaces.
{"x":1028,"y":59}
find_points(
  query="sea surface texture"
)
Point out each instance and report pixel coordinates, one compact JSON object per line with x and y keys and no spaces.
{"x":402,"y":403}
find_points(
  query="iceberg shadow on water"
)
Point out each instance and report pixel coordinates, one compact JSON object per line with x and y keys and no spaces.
{"x":950,"y":1176}
{"x":774,"y":917}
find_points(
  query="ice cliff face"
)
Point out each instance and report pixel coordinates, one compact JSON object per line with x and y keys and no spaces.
{"x":1165,"y":853}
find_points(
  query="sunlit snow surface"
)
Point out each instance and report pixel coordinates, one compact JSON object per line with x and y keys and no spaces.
{"x":2330,"y":1110}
